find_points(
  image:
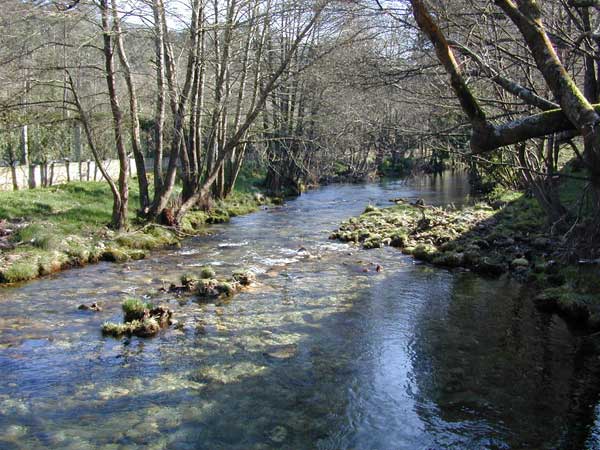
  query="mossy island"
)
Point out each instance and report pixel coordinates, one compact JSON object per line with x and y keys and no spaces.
{"x":139,"y":319}
{"x":206,"y":286}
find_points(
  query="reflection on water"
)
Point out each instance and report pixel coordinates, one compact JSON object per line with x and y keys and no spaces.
{"x":322,"y":354}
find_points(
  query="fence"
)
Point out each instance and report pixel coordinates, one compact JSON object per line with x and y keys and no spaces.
{"x":39,"y":175}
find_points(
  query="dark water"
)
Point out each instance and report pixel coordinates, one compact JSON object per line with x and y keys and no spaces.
{"x":320,"y":355}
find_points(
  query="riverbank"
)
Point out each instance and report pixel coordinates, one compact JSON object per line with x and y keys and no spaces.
{"x":504,"y":235}
{"x":43,"y":231}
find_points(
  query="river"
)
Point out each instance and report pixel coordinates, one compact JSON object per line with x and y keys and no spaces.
{"x":323,"y":353}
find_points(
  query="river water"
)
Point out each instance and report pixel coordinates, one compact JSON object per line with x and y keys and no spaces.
{"x":324,"y":352}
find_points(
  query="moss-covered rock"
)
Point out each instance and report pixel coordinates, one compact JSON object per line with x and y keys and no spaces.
{"x":449,"y":259}
{"x":145,"y":241}
{"x":227,"y":288}
{"x":189,"y":280}
{"x":218,"y":215}
{"x":373,"y":241}
{"x":140,"y":319}
{"x":474,"y":237}
{"x":115,"y":254}
{"x":244,"y":277}
{"x":425,"y":252}
{"x":136,"y":254}
{"x":567,"y":302}
{"x":398,"y":239}
{"x":134,"y":309}
{"x":490,"y":266}
{"x":142,"y":328}
{"x":207,"y":272}
{"x":207,"y":288}
{"x":519,"y":262}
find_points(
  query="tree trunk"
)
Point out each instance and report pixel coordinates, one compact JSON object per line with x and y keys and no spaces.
{"x":119,"y":218}
{"x":133,"y":111}
{"x":159,"y":114}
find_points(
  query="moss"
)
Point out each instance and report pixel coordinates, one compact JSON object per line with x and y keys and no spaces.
{"x":118,"y":329}
{"x":194,"y":221}
{"x":490,"y":266}
{"x":96,"y":253}
{"x":398,"y":239}
{"x":136,"y":254}
{"x":114,"y":254}
{"x":77,"y":253}
{"x":142,"y":328}
{"x":373,"y":241}
{"x":449,"y":259}
{"x":212,"y":288}
{"x":424,"y":252}
{"x":189,"y":279}
{"x":134,"y":309}
{"x":519,"y":262}
{"x":52,"y":263}
{"x":226,"y":288}
{"x":239,"y":203}
{"x":20,"y":271}
{"x":140,"y":320}
{"x":207,"y":272}
{"x":244,"y":277}
{"x":139,"y":241}
{"x":471,"y":257}
{"x":162,"y":235}
{"x":207,"y":287}
{"x":566,"y":302}
{"x":218,"y":215}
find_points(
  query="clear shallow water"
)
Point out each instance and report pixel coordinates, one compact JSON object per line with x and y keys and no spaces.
{"x":319,"y":355}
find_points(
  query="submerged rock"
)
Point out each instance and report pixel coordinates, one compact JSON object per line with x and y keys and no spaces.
{"x":489,"y":266}
{"x":93,"y":307}
{"x":281,"y":351}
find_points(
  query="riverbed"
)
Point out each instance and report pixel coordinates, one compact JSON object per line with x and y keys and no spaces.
{"x":325,"y":352}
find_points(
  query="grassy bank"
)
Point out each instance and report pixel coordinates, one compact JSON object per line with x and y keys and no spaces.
{"x":505,"y":235}
{"x":43,"y":231}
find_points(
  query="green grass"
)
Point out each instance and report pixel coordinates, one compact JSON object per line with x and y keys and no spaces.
{"x":250,"y":179}
{"x":72,"y":208}
{"x":67,"y":225}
